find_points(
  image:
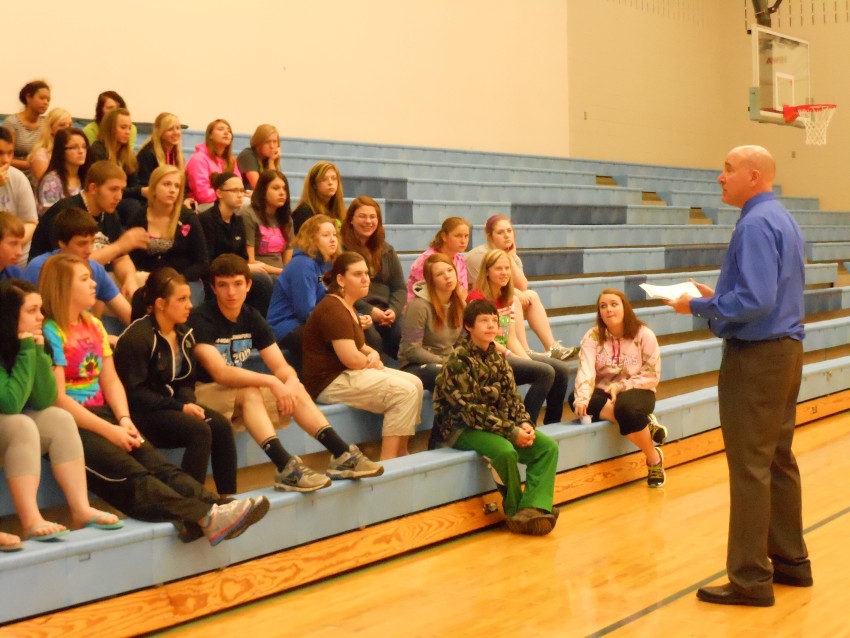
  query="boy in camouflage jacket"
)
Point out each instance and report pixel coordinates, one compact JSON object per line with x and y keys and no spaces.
{"x":477,"y":407}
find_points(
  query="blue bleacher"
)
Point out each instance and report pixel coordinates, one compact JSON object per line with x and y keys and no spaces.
{"x":569,"y":227}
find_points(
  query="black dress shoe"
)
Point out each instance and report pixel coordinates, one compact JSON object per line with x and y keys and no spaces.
{"x":793,"y":581}
{"x":728,"y":595}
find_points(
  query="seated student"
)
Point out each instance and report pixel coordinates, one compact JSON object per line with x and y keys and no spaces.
{"x":619,"y":370}
{"x":11,"y":242}
{"x":262,"y":154}
{"x":102,"y":191}
{"x":162,"y":148}
{"x":268,"y":223}
{"x":432,"y":321}
{"x":66,"y":169}
{"x":155,"y":360}
{"x":39,"y":156}
{"x":226,"y":330}
{"x":124,"y":469}
{"x":499,"y":233}
{"x":299,"y":288}
{"x":224,"y":231}
{"x":16,"y":193}
{"x":25,"y":126}
{"x":30,"y":425}
{"x":548,"y":376}
{"x":106,"y":102}
{"x":215,"y":155}
{"x":321,"y":195}
{"x":175,"y":236}
{"x":363,"y":232}
{"x":451,"y":240}
{"x":75,"y":231}
{"x":113,"y":144}
{"x":340,"y":368}
{"x":477,"y":407}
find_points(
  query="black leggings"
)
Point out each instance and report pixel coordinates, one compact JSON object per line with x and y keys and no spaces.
{"x":631,"y":410}
{"x":202,"y":439}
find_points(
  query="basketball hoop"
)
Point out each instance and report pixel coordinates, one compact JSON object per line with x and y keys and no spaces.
{"x":815,"y":117}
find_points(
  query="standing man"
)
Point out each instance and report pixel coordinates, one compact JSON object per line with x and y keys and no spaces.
{"x":758,"y":311}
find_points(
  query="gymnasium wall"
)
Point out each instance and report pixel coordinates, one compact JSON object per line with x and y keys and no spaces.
{"x":473,"y":74}
{"x":667,"y":81}
{"x":656,"y":81}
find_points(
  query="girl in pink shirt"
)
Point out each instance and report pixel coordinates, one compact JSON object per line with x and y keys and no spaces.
{"x":619,"y":369}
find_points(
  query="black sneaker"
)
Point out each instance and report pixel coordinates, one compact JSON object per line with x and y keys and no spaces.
{"x":655,"y":475}
{"x":657,"y":432}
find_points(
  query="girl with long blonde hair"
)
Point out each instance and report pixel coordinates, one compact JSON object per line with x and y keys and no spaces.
{"x":175,"y":235}
{"x":39,"y":157}
{"x":162,"y":147}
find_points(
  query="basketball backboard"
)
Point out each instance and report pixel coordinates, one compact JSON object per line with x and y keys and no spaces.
{"x":781,"y":74}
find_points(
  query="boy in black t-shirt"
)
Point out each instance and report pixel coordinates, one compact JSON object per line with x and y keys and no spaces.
{"x":101,"y":195}
{"x":226,"y":330}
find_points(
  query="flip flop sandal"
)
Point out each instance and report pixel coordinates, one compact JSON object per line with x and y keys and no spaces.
{"x":43,"y":538}
{"x":93,"y":522}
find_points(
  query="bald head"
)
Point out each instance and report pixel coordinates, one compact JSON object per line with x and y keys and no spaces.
{"x":748,"y":171}
{"x":758,"y":158}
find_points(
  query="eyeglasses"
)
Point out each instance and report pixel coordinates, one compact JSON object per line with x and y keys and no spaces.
{"x":241,"y":191}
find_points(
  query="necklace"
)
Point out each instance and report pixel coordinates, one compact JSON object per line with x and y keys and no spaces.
{"x":97,"y":217}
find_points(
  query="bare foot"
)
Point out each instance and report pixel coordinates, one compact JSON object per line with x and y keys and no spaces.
{"x":44,"y":528}
{"x":9,"y":540}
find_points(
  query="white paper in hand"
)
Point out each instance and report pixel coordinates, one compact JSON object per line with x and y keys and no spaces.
{"x":670,"y":292}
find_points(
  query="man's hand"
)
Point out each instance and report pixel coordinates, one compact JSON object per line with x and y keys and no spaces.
{"x":133,"y":238}
{"x":682,"y":305}
{"x":525,"y":438}
{"x":704,"y":290}
{"x":285,"y":396}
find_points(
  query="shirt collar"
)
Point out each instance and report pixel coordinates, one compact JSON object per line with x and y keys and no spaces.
{"x":757,"y":199}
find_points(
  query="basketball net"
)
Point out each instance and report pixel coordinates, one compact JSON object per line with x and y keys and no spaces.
{"x":815,"y":117}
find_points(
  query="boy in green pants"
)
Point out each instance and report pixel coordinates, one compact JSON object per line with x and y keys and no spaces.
{"x":477,"y":407}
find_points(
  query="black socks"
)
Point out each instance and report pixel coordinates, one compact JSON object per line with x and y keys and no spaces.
{"x":328,"y":437}
{"x":275,"y":451}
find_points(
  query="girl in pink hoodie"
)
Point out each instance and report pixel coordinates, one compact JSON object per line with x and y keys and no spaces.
{"x":619,"y":369}
{"x":215,"y":155}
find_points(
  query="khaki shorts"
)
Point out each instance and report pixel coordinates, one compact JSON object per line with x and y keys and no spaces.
{"x":222,"y":399}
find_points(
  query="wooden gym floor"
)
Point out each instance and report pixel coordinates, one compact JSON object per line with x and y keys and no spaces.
{"x":624,"y":562}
